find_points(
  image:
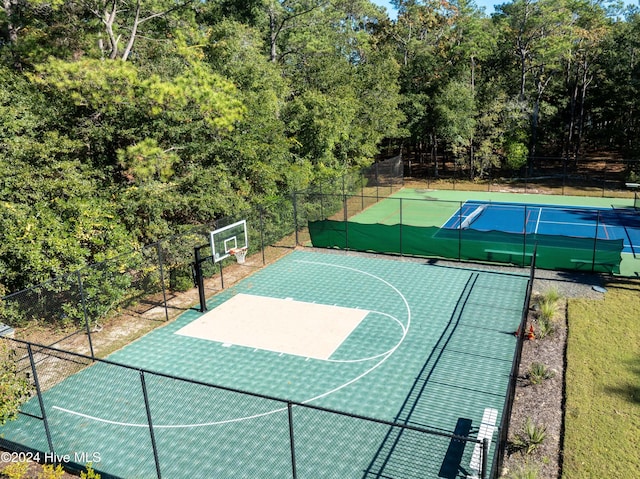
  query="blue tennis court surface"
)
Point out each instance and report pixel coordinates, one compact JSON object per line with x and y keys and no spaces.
{"x":579,"y":222}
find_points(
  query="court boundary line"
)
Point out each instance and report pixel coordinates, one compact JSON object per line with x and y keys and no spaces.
{"x":307,"y":401}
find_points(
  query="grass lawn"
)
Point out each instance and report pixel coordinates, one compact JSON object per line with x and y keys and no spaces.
{"x":602,"y":417}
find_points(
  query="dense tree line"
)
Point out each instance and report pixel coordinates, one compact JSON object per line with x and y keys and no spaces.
{"x":122,"y":121}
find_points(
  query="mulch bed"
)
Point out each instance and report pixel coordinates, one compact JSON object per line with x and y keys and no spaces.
{"x":541,"y":403}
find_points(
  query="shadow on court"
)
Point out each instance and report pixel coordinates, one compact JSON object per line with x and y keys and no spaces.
{"x":398,"y":447}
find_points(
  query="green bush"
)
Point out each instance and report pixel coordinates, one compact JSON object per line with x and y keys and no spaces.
{"x":530,"y":437}
{"x":538,"y":372}
{"x":524,"y":472}
{"x":14,"y":386}
{"x":16,"y":470}
{"x":552,"y":295}
{"x":90,"y":474}
{"x":546,"y":327}
{"x":51,"y":472}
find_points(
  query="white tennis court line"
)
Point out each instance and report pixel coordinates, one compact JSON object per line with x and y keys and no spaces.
{"x":385,"y":356}
{"x":538,"y":221}
{"x":459,"y":217}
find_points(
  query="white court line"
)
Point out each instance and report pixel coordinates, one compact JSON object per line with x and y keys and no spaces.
{"x":386,"y":355}
{"x":457,"y":215}
{"x":537,"y":222}
{"x":167,"y":426}
{"x":404,"y":331}
{"x":573,"y":224}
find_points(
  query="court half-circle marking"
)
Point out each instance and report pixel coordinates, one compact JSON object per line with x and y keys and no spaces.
{"x":384,"y":356}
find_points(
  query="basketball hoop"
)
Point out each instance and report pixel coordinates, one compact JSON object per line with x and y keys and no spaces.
{"x":239,"y":253}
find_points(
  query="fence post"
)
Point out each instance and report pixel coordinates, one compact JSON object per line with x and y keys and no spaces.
{"x":86,"y":315}
{"x":524,"y":238}
{"x":362,"y":190}
{"x":291,"y":441}
{"x":346,"y":223}
{"x":148,"y":410}
{"x":262,"y":235}
{"x":460,"y":231}
{"x":377,"y":184}
{"x":400,"y":226}
{"x":485,"y":453}
{"x":40,"y":401}
{"x":164,"y":289}
{"x":595,"y":243}
{"x":295,"y":215}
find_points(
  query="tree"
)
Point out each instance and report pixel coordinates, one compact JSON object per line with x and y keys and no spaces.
{"x":344,"y":89}
{"x":539,"y":34}
{"x":590,"y":30}
{"x":53,"y":216}
{"x":613,"y":110}
{"x":257,"y":151}
{"x":455,"y":116}
{"x":123,"y":25}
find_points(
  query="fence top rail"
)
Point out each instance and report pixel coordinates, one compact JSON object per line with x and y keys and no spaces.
{"x":287,"y":402}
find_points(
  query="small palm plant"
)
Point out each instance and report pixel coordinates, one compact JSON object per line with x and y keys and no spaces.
{"x":524,"y":472}
{"x":530,"y":437}
{"x":552,"y":295}
{"x":548,"y":309}
{"x":538,"y":372}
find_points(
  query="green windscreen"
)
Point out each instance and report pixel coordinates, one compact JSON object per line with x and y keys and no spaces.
{"x":554,"y":252}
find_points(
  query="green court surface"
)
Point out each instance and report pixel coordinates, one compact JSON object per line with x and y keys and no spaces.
{"x":434,"y":350}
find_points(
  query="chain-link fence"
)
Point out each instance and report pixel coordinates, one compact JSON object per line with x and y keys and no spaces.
{"x":135,"y":423}
{"x":155,"y":283}
{"x":139,"y":289}
{"x":344,"y":197}
{"x":551,"y":175}
{"x":503,"y":430}
{"x":413,"y":227}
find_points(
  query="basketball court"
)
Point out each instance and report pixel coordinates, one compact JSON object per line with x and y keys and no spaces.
{"x":399,"y":341}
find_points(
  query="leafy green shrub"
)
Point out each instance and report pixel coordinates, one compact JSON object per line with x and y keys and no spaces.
{"x":16,"y":470}
{"x":90,"y":474}
{"x":515,"y":154}
{"x":524,"y":472}
{"x":547,"y":309}
{"x":50,"y":472}
{"x":530,"y":437}
{"x":538,"y":372}
{"x":180,"y":279}
{"x":14,"y":386}
{"x":546,"y":326}
{"x":552,"y":295}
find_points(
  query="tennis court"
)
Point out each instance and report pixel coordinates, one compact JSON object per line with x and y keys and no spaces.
{"x":582,"y":222}
{"x":402,"y":341}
